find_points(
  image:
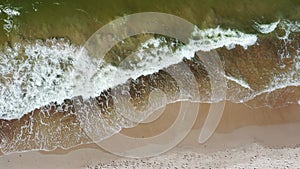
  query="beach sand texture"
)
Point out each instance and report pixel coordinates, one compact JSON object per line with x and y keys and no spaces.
{"x":245,"y":138}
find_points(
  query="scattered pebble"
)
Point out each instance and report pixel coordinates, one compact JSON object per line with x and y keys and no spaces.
{"x":249,"y":157}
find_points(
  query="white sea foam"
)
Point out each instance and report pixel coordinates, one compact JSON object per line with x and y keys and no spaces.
{"x":220,"y":37}
{"x":33,"y":80}
{"x":151,"y":60}
{"x":290,"y":79}
{"x":266,"y":28}
{"x":51,"y":69}
{"x":54,"y":70}
{"x":238,"y":81}
{"x":289,"y":27}
{"x":10,"y":13}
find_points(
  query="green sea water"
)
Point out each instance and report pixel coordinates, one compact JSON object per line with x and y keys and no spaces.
{"x":41,"y":40}
{"x":78,"y":20}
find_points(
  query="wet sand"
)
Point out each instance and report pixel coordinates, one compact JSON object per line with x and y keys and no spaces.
{"x":242,"y":131}
{"x":244,"y":136}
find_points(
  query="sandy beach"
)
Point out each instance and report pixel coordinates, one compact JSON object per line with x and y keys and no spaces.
{"x":245,"y":138}
{"x":79,"y":76}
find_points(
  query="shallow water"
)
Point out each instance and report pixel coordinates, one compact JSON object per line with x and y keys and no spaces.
{"x":77,"y":20}
{"x":44,"y":66}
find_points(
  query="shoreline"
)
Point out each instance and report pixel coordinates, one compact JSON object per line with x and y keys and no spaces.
{"x":239,"y":127}
{"x":54,"y":122}
{"x":47,"y":68}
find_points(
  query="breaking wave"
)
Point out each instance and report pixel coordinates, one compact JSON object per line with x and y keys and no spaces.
{"x":46,"y":74}
{"x":33,"y":75}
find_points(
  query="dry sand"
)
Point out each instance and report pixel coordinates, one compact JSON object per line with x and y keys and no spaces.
{"x":245,"y":138}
